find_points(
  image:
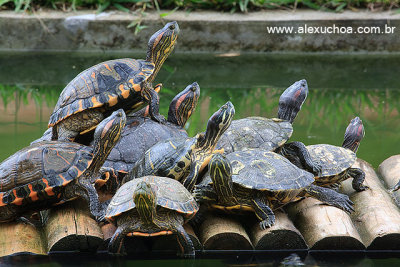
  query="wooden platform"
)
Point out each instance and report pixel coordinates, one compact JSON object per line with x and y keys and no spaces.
{"x":307,"y":224}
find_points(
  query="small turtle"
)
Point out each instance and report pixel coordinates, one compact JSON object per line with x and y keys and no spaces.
{"x":182,"y":159}
{"x":260,"y":181}
{"x":53,"y":172}
{"x":271,"y":134}
{"x":151,"y":206}
{"x":108,"y":86}
{"x":336,"y":162}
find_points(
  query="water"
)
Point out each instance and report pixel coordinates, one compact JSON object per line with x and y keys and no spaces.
{"x":341,"y":87}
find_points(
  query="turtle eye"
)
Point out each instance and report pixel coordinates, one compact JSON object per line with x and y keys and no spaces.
{"x":171,"y":27}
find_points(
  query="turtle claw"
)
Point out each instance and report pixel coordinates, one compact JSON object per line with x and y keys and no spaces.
{"x":345,"y":204}
{"x":267,"y":223}
{"x":396,"y":187}
{"x":160,"y":119}
{"x":362,"y":188}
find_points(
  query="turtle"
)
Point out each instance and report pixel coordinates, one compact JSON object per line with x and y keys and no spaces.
{"x":152,"y":206}
{"x":336,"y":162}
{"x":141,"y":133}
{"x":260,"y":181}
{"x":271,"y":133}
{"x":52,"y":172}
{"x":110,"y":85}
{"x":184,"y":158}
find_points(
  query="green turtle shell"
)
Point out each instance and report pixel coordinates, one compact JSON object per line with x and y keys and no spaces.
{"x":255,"y":132}
{"x":171,"y":194}
{"x":264,"y":170}
{"x":110,"y":84}
{"x":140,"y":134}
{"x":35,"y":175}
{"x":332,"y":159}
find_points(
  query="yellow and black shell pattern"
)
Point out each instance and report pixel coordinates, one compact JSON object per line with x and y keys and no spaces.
{"x":332,"y":159}
{"x":170,"y":193}
{"x":255,"y":132}
{"x":112,"y":84}
{"x":37,"y":174}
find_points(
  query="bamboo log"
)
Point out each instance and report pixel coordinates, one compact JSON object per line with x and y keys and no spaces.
{"x":324,"y":227}
{"x":18,"y":237}
{"x":389,"y":170}
{"x":71,"y":228}
{"x":282,"y":235}
{"x":376,"y":216}
{"x":170,"y":243}
{"x":223,"y":233}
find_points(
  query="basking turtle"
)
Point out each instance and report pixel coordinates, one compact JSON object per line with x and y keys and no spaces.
{"x":53,"y":172}
{"x":260,"y":181}
{"x":336,"y":162}
{"x":108,"y":86}
{"x":183,"y":158}
{"x":271,"y":134}
{"x":151,"y":206}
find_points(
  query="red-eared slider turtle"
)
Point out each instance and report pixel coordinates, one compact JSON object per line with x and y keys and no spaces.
{"x":336,"y":162}
{"x":141,"y":133}
{"x":182,"y":158}
{"x":108,"y":86}
{"x":260,"y":181}
{"x":53,"y":172}
{"x":271,"y":134}
{"x":151,"y":206}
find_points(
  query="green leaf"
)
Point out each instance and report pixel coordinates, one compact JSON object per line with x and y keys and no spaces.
{"x":121,"y":7}
{"x":162,"y":15}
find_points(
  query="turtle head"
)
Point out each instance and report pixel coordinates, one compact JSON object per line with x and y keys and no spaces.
{"x":291,"y":100}
{"x":218,"y":123}
{"x":161,"y":45}
{"x":145,"y":200}
{"x":221,"y":176}
{"x":106,"y":136}
{"x":183,"y":105}
{"x":354,"y":134}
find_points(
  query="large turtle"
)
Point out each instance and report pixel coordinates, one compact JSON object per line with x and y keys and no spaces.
{"x":183,"y":158}
{"x":53,"y":172}
{"x":151,"y":206}
{"x":271,"y":134}
{"x":260,"y":181}
{"x":336,"y":162}
{"x":108,"y":86}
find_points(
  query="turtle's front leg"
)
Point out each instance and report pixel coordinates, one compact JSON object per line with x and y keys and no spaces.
{"x":330,"y":197}
{"x":184,"y":241}
{"x":87,"y":191}
{"x":358,"y":176}
{"x":204,"y":193}
{"x":263,"y":212}
{"x":154,"y":103}
{"x":298,"y":150}
{"x":190,"y":181}
{"x":116,"y":241}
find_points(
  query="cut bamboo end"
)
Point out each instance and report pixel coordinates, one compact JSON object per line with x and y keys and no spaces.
{"x":376,"y":216}
{"x":389,"y":170}
{"x":71,"y":228}
{"x":21,"y":238}
{"x":166,"y":243}
{"x":324,"y":227}
{"x":282,"y":235}
{"x":219,"y":232}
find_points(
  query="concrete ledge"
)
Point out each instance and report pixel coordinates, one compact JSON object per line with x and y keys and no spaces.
{"x":201,"y":31}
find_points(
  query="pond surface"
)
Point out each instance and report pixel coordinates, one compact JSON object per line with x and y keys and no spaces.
{"x":341,"y":87}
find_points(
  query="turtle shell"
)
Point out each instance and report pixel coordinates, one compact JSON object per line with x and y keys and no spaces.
{"x":38,"y":172}
{"x":140,"y":134}
{"x":264,"y":170}
{"x":109,"y":84}
{"x":171,"y":194}
{"x":255,"y":132}
{"x":332,"y":159}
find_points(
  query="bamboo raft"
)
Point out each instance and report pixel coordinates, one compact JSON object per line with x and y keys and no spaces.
{"x":307,"y":224}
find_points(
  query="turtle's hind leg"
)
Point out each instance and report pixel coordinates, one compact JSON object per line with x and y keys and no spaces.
{"x":358,"y":176}
{"x":330,"y":197}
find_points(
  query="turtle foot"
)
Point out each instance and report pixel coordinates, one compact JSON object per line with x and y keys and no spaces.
{"x":265,"y":224}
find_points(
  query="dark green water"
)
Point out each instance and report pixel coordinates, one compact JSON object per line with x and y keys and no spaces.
{"x":341,"y":87}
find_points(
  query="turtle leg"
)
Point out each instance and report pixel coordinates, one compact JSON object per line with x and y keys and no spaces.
{"x":190,"y":181}
{"x":184,"y":241}
{"x":204,"y":193}
{"x":117,"y":239}
{"x":330,"y":197}
{"x":297,"y":152}
{"x":86,"y":190}
{"x":263,"y":212}
{"x":109,"y":181}
{"x":358,"y":178}
{"x":154,"y":103}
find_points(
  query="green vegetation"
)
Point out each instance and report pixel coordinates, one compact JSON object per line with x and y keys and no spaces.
{"x":188,"y":5}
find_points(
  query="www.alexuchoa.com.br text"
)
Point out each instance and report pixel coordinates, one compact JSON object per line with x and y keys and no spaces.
{"x":333,"y":29}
